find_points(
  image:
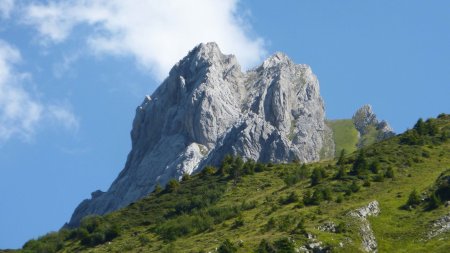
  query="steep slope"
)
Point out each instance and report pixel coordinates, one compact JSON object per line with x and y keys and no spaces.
{"x":208,"y":108}
{"x":361,"y":203}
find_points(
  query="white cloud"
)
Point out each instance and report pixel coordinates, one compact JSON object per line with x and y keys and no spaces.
{"x":20,"y":111}
{"x":64,"y":116}
{"x":156,"y":33}
{"x":6,"y":6}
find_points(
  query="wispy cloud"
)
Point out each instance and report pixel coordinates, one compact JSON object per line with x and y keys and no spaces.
{"x":63,"y":115}
{"x":65,"y":65}
{"x":21,"y":112}
{"x":6,"y":6}
{"x":156,"y":33}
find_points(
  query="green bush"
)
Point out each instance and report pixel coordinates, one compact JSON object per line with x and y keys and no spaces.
{"x":389,"y":173}
{"x":434,"y":202}
{"x":318,"y":174}
{"x":265,"y":247}
{"x":413,"y":199}
{"x":208,"y":171}
{"x":360,"y":165}
{"x":172,"y":185}
{"x":184,"y":225}
{"x":284,"y":245}
{"x":298,"y":174}
{"x":291,"y":198}
{"x":227,"y":247}
{"x":239,"y":222}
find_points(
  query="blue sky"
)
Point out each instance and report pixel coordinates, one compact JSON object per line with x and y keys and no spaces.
{"x":73,"y":72}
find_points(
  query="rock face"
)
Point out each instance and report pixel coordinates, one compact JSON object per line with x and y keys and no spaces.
{"x":366,"y":123}
{"x":207,"y":108}
{"x":439,"y":226}
{"x":369,"y":243}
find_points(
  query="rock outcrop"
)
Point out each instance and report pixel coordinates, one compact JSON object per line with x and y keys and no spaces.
{"x":207,"y":108}
{"x":369,"y":127}
{"x":439,"y":226}
{"x":369,"y":243}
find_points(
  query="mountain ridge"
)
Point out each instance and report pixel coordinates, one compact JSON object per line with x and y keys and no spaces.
{"x":207,"y":108}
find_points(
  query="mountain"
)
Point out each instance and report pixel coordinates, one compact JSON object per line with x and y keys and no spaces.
{"x":207,"y":108}
{"x":390,"y":196}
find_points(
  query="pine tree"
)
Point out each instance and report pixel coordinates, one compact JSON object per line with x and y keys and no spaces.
{"x":341,"y":161}
{"x":413,"y":199}
{"x":316,"y":176}
{"x":420,"y":127}
{"x":236,"y":169}
{"x":360,"y":164}
{"x":340,"y":173}
{"x":158,"y":188}
{"x":434,"y":201}
{"x":172,"y":185}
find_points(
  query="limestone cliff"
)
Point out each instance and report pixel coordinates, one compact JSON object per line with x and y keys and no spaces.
{"x":207,"y":108}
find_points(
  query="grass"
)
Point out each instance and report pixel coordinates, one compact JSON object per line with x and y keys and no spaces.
{"x":254,"y":207}
{"x":345,"y":135}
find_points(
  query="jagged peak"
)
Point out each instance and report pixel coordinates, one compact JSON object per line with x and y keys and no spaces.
{"x":203,"y":56}
{"x":365,"y":117}
{"x":277,"y":59}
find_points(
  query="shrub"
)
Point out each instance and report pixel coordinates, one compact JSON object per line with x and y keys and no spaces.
{"x":184,"y":225}
{"x":317,"y":196}
{"x":317,"y":175}
{"x":265,"y":247}
{"x":389,"y":173}
{"x":339,"y":199}
{"x":299,"y":173}
{"x":207,"y":171}
{"x":340,"y":228}
{"x":226,"y":164}
{"x":434,"y":202}
{"x":239,"y":222}
{"x":299,"y":228}
{"x":341,"y":160}
{"x":249,"y":167}
{"x":340,"y":173}
{"x":284,"y":245}
{"x":360,"y":164}
{"x":374,"y":167}
{"x":413,"y":199}
{"x":172,"y":185}
{"x":227,"y":247}
{"x":260,"y":167}
{"x":185,"y":177}
{"x":379,"y":178}
{"x":271,"y":223}
{"x":157,"y":189}
{"x":354,"y":187}
{"x":144,"y":239}
{"x":291,"y":198}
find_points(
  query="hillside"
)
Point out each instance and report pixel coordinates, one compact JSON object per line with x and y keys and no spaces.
{"x":362,"y":130}
{"x":390,"y":195}
{"x":345,"y":135}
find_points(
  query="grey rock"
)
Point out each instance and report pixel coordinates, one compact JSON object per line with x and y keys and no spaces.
{"x":369,"y":243}
{"x":439,"y":226}
{"x":328,"y":226}
{"x":364,"y":118}
{"x":207,"y":108}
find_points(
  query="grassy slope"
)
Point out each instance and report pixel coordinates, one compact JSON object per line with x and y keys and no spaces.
{"x":345,"y":135}
{"x":396,"y":230}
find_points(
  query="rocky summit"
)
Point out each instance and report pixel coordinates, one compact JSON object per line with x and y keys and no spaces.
{"x":208,"y":107}
{"x":367,"y":123}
